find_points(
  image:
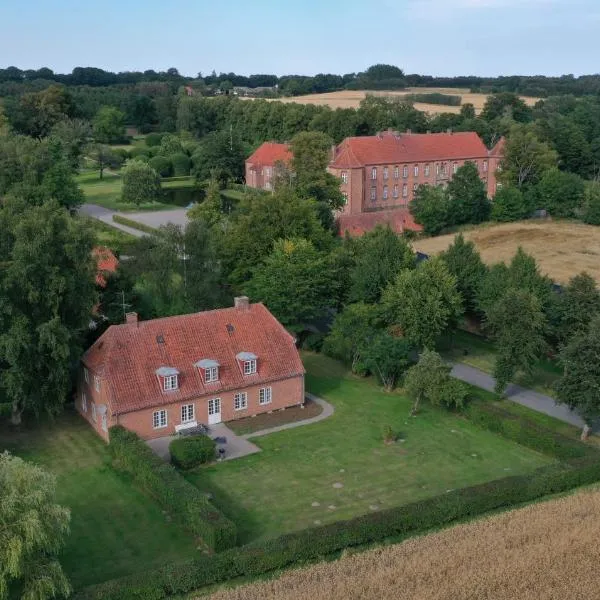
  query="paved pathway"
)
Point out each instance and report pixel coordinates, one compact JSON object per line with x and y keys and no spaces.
{"x":151,"y":218}
{"x":237,"y":446}
{"x":327,"y":412}
{"x":523,"y":396}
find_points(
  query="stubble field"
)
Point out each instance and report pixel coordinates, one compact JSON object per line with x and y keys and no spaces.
{"x":546,"y":550}
{"x":561,"y":248}
{"x":352,"y":98}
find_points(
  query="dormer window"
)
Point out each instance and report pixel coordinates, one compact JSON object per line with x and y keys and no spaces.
{"x":169,"y":378}
{"x":248,"y":362}
{"x":209,"y":369}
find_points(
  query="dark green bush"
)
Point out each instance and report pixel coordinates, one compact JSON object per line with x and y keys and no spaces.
{"x":435,"y":98}
{"x":154,"y":139}
{"x":162,"y":481}
{"x":188,"y":452}
{"x":181,"y":163}
{"x":139,"y":153}
{"x":162,"y":165}
{"x":313,"y":544}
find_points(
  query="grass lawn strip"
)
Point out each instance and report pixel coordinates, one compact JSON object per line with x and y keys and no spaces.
{"x":115,"y":529}
{"x":290,"y":485}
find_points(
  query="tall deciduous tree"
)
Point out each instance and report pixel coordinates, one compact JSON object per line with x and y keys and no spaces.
{"x":510,"y":205}
{"x":104,"y":157}
{"x":526,"y":158}
{"x":468,"y":202}
{"x":141,"y":183}
{"x":219,"y":155}
{"x":423,"y":302}
{"x":430,"y":208}
{"x":560,"y":193}
{"x":517,"y":324}
{"x":463,"y":261}
{"x":430,"y":380}
{"x":33,"y":529}
{"x":387,"y":357}
{"x":46,"y":298}
{"x":293,"y":283}
{"x":591,"y":203}
{"x":380,"y":255}
{"x":579,"y":385}
{"x":109,"y":125}
{"x":351,"y":333}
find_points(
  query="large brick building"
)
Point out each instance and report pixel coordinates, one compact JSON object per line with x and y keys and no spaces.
{"x":380,"y":174}
{"x":261,"y":166}
{"x":160,"y":376}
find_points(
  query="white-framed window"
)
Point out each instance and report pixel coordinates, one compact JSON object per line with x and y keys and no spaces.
{"x":396,"y":172}
{"x":455,"y":167}
{"x":86,"y":375}
{"x":485,"y":166}
{"x":211,"y":374}
{"x":249,"y":366}
{"x":84,"y":402}
{"x":404,"y":190}
{"x":374,"y":173}
{"x":97,"y":383}
{"x":415,"y":187}
{"x":416,"y":170}
{"x":426,"y":170}
{"x":159,"y":419}
{"x":94,"y":417}
{"x":267,"y":185}
{"x":187,"y":413}
{"x":385,"y":172}
{"x":104,"y":422}
{"x":265,"y":395}
{"x":385,"y":192}
{"x":345,"y":195}
{"x":240,"y":401}
{"x":443,"y":168}
{"x":373,"y":193}
{"x":405,"y":171}
{"x":395,"y":192}
{"x":344,"y":177}
{"x":170,"y":383}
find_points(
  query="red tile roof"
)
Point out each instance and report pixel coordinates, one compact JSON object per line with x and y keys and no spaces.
{"x":107,"y":263}
{"x":269,"y":153}
{"x":389,"y":147}
{"x":127,"y":356}
{"x":398,"y":219}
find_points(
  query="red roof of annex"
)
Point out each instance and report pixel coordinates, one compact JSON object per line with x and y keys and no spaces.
{"x":269,"y":153}
{"x":389,"y":147}
{"x":127,"y":356}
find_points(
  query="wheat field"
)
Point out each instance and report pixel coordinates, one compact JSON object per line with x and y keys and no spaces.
{"x":546,"y":551}
{"x":562,"y":249}
{"x":352,"y":98}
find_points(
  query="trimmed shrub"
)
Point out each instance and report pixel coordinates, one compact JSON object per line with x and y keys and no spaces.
{"x":154,"y":139}
{"x":181,"y":163}
{"x":188,"y":452}
{"x":313,"y":544}
{"x":138,"y":152}
{"x":162,"y":481}
{"x":162,"y":165}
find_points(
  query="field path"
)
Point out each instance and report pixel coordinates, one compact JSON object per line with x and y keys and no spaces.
{"x":523,"y":396}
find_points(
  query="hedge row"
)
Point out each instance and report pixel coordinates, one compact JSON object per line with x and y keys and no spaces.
{"x":313,"y":544}
{"x":528,"y":433}
{"x":162,"y":481}
{"x":188,"y":452}
{"x":134,"y":224}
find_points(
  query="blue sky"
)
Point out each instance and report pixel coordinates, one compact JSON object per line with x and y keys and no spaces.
{"x":437,"y":37}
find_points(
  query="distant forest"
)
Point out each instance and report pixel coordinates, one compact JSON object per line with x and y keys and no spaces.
{"x":14,"y":81}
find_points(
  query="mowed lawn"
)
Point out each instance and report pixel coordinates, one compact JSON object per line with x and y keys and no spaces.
{"x":294,"y":482}
{"x":115,"y":529}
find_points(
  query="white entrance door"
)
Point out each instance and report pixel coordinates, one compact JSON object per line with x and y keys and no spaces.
{"x":214,"y":411}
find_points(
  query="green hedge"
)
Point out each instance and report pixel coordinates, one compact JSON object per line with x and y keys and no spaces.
{"x":313,"y":544}
{"x":188,"y":452}
{"x":162,"y":481}
{"x":435,"y":98}
{"x":134,"y":224}
{"x":528,"y":433}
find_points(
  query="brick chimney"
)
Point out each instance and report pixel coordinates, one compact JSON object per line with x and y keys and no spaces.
{"x":242,"y":302}
{"x":131,"y":318}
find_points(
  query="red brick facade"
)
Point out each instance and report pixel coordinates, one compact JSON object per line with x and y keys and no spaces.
{"x":381,"y":173}
{"x":121,"y":378}
{"x":262,"y":165}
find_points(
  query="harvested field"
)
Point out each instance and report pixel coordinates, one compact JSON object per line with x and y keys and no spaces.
{"x":547,"y":550}
{"x":352,"y":98}
{"x":561,"y":248}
